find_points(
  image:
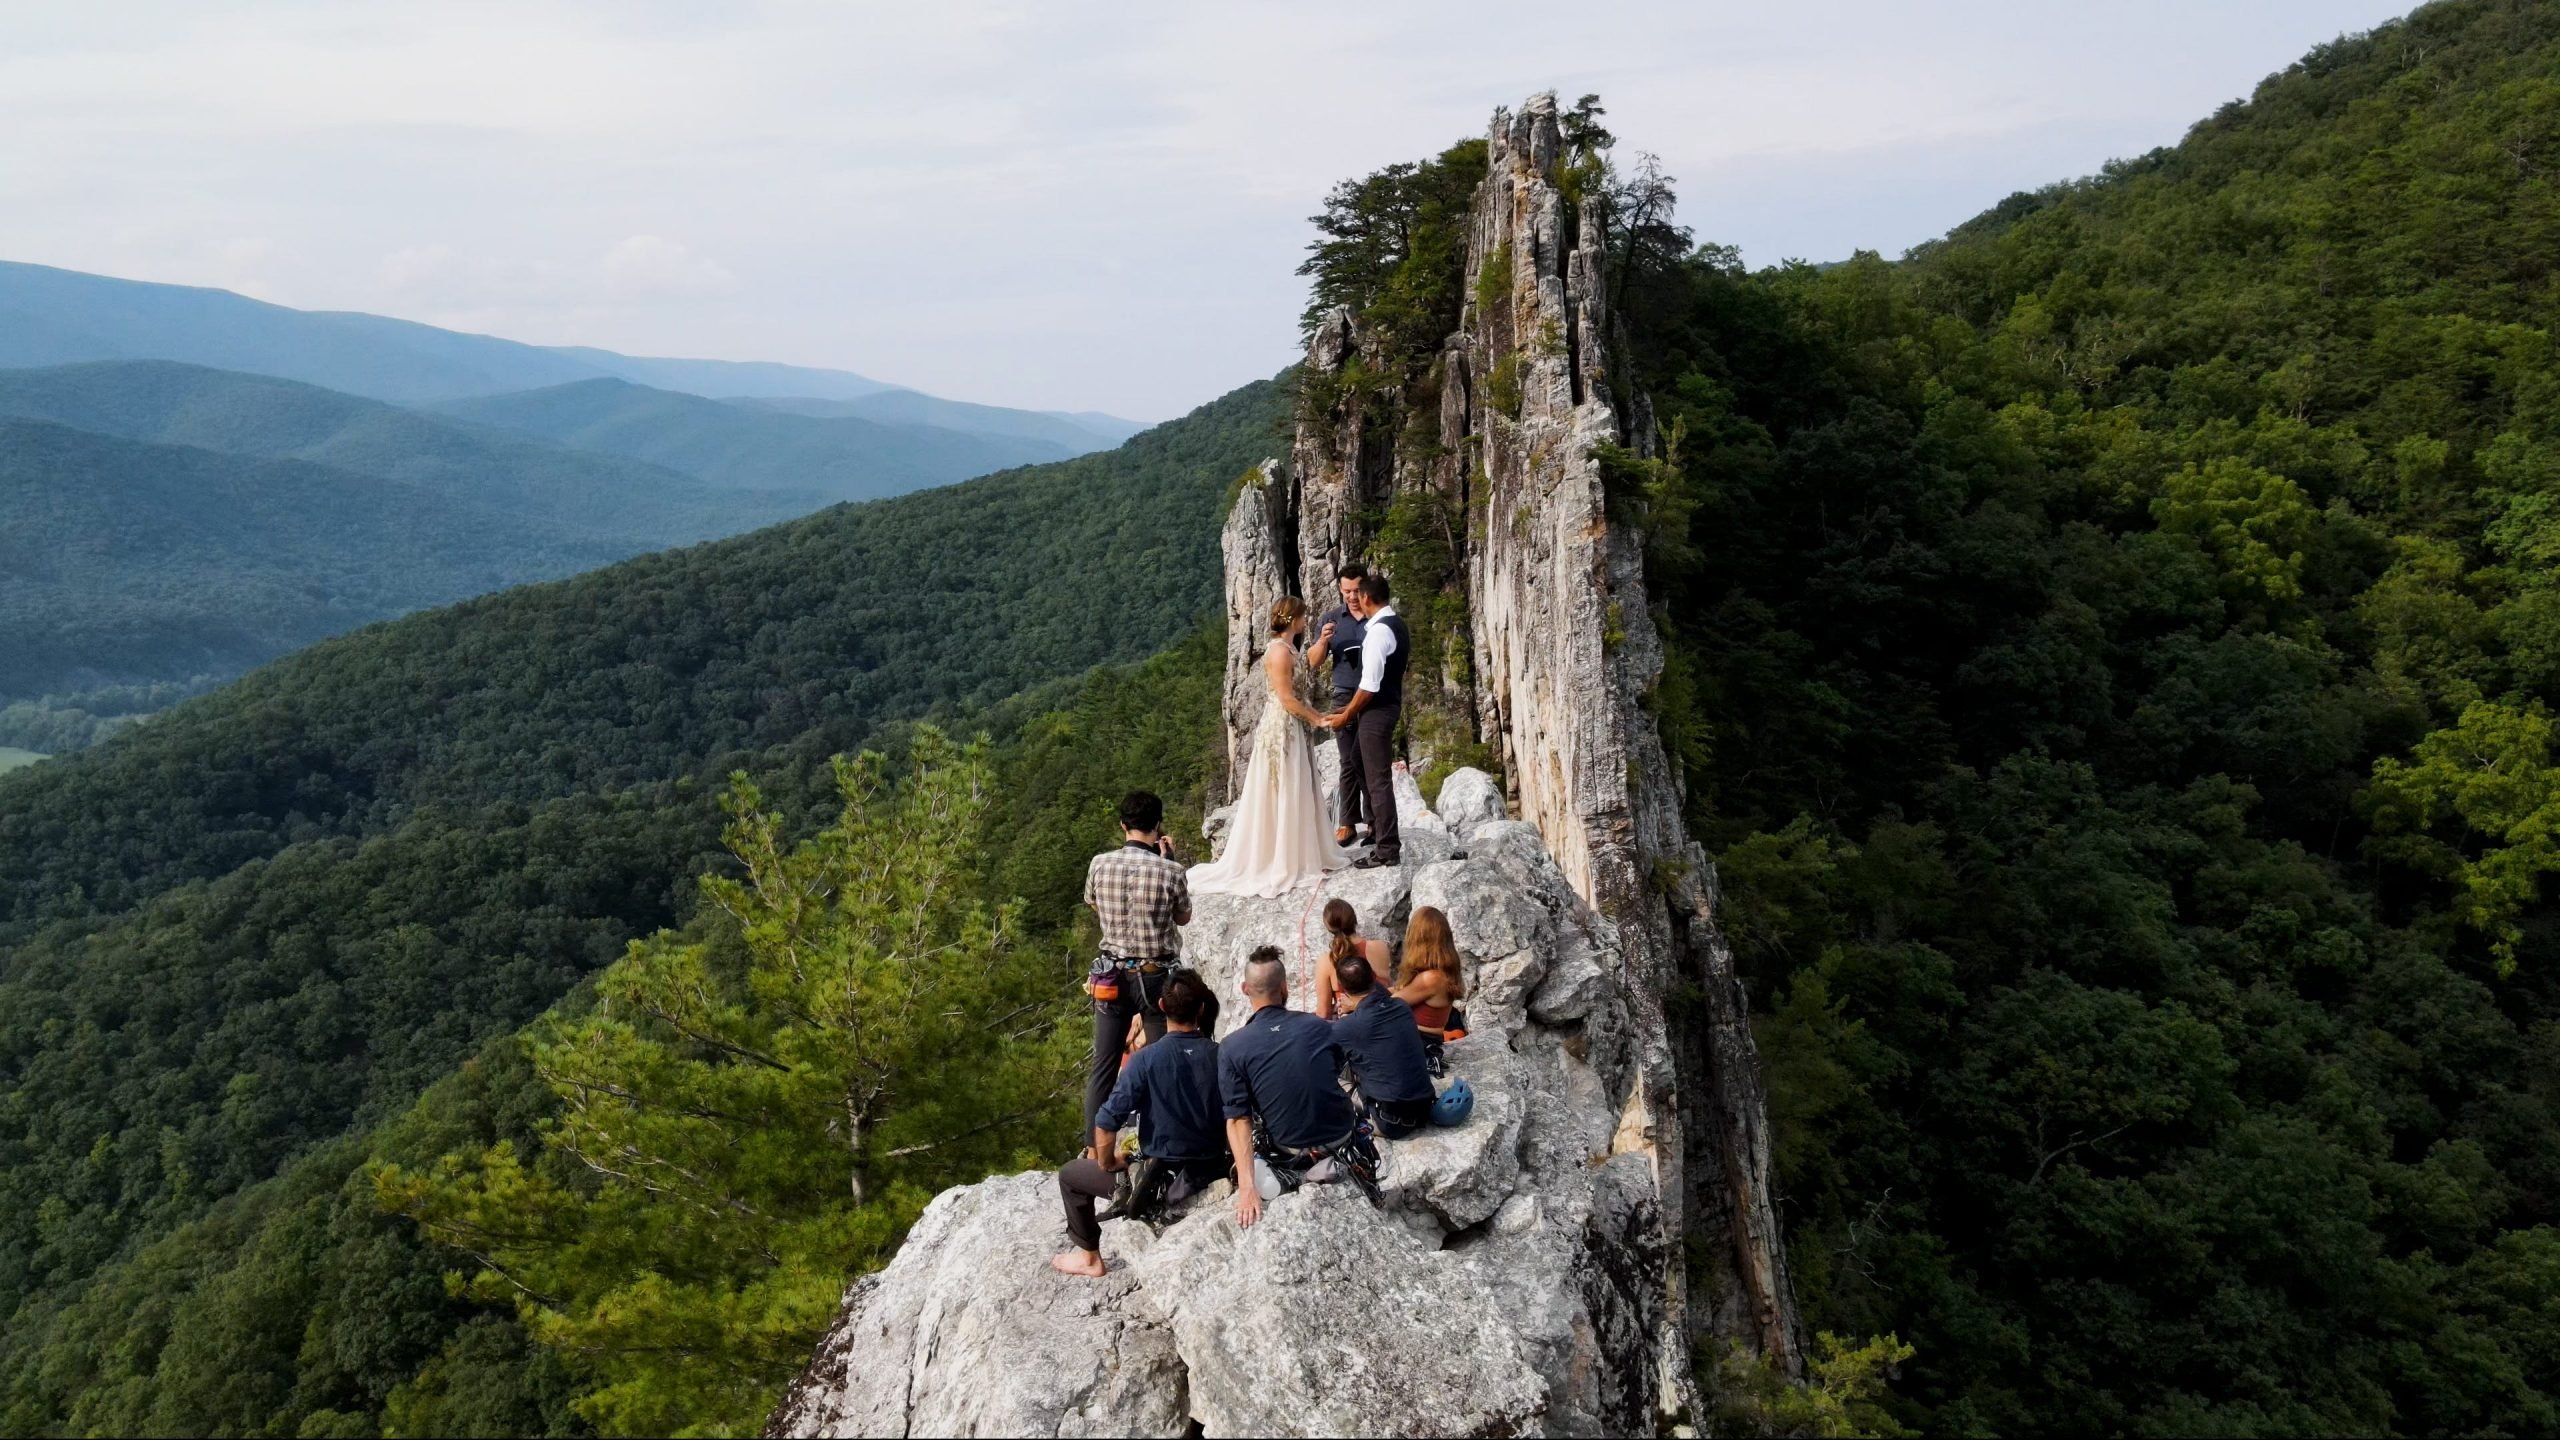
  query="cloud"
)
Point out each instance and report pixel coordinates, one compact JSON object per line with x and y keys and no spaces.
{"x":654,"y":265}
{"x":417,"y":267}
{"x":1061,"y":207}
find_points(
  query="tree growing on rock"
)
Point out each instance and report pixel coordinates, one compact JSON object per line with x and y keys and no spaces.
{"x":754,"y":1110}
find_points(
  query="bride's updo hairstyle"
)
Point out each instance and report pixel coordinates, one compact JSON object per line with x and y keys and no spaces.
{"x":1288,"y":611}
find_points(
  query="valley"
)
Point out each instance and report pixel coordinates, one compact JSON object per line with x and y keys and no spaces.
{"x":161,"y":521}
{"x":2034,"y":758}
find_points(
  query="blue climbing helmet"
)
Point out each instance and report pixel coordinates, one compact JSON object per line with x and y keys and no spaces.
{"x":1454,"y":1104}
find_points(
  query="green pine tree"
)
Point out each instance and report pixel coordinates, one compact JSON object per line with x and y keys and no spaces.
{"x":755,"y":1112}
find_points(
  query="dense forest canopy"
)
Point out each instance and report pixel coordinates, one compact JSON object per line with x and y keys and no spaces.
{"x":298,"y":1305}
{"x":2112,"y":659}
{"x":123,"y":562}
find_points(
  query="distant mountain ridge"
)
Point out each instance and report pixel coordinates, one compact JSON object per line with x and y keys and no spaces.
{"x":160,"y":521}
{"x":120,"y":558}
{"x":767,"y":446}
{"x":914,"y":407}
{"x":51,"y":316}
{"x":256,"y":416}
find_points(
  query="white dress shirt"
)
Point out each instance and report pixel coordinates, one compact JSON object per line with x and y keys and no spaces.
{"x":1376,"y":644}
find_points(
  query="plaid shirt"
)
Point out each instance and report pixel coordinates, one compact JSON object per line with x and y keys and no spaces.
{"x":1137,"y":892}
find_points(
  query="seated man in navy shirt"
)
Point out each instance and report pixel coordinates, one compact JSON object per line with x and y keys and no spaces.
{"x":1279,"y":1067}
{"x":1380,"y":1040}
{"x":1171,"y":1085}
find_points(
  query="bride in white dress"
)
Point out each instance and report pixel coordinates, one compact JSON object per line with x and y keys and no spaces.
{"x":1279,"y":836}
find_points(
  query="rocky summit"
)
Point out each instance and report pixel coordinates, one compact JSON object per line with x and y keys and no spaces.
{"x":1505,"y":1288}
{"x":1536,"y":1269}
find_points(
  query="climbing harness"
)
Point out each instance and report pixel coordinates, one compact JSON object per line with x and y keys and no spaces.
{"x":1354,"y":1155}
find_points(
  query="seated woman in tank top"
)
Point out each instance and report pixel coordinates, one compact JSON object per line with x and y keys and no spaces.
{"x":1430,"y":980}
{"x":1343,"y":923}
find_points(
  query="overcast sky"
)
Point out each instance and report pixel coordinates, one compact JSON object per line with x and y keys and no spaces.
{"x":1045,"y":205}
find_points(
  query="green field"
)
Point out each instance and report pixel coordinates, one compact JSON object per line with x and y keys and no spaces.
{"x":11,"y":758}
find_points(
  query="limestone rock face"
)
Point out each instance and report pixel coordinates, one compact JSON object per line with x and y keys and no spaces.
{"x":1328,"y":1318}
{"x":971,"y":1296}
{"x":1330,"y":488}
{"x":1469,"y":798}
{"x":1562,"y":652}
{"x":1257,"y":576}
{"x":1508,"y":1287}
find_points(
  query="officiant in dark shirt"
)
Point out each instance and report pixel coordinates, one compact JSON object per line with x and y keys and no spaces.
{"x":1338,"y":637}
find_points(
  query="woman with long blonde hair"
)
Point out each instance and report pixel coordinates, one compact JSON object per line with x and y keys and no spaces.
{"x":1430,"y":979}
{"x":1279,"y":836}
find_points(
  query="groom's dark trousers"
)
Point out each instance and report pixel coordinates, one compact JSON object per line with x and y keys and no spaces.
{"x":1376,"y":727}
{"x":1346,"y":746}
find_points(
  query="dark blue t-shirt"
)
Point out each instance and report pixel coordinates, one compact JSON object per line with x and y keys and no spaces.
{"x":1172,"y":1084}
{"x":1281,"y":1066}
{"x":1344,"y":652}
{"x":1385,"y":1049}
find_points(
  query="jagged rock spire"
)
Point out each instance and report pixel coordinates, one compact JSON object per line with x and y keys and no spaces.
{"x":1562,"y":654}
{"x":1259,"y":572}
{"x":1529,"y":1274}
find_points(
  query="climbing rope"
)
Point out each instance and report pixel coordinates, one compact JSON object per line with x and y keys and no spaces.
{"x":1302,"y":969}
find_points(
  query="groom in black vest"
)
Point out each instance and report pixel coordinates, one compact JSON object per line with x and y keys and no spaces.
{"x":1338,"y":641}
{"x":1372,"y":713}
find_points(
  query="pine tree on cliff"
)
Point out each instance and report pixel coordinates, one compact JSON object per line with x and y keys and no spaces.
{"x":752,"y":1110}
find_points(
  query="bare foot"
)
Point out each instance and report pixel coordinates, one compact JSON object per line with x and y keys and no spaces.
{"x":1087,"y":1263}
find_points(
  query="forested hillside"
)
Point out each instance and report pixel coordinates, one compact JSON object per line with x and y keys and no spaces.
{"x":289,"y":905}
{"x":751,"y":447}
{"x":808,"y":635}
{"x":121,"y":561}
{"x":298,"y":1305}
{"x":257,"y":417}
{"x":2113,"y":656}
{"x":256,"y":516}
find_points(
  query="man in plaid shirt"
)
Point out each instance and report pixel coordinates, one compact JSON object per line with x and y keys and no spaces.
{"x":1141,"y":893}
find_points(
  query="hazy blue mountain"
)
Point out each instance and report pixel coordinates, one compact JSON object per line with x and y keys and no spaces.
{"x":1100,"y":423}
{"x":755,"y":447}
{"x":54,"y":317}
{"x":721,"y":379}
{"x":1078,"y":431}
{"x":627,"y":505}
{"x":121,"y":560}
{"x":58,"y":317}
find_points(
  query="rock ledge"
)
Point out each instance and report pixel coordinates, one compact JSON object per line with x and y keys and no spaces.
{"x":1509,"y":1287}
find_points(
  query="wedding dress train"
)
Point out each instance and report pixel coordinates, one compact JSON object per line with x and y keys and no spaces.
{"x":1280,"y":835}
